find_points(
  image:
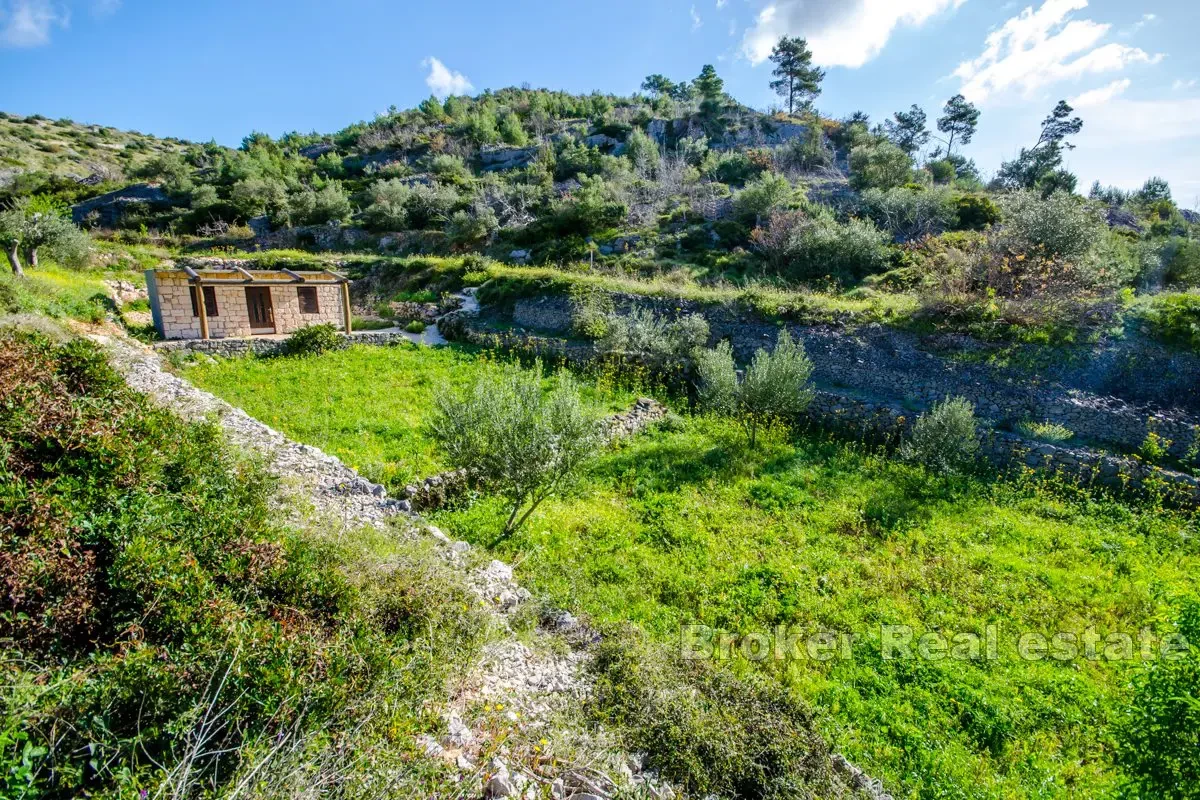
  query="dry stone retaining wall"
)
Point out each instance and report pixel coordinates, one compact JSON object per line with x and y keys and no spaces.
{"x":1117,"y":396}
{"x":889,"y":421}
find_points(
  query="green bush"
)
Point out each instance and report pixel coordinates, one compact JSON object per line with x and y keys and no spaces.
{"x":313,"y":340}
{"x":775,"y":386}
{"x":803,"y":247}
{"x":945,"y":440}
{"x":762,"y":195}
{"x":976,"y":212}
{"x":162,"y":632}
{"x":943,"y":171}
{"x":1158,"y":737}
{"x":415,"y":326}
{"x":1175,"y":318}
{"x":1049,"y":432}
{"x":879,"y":165}
{"x":911,"y":213}
{"x":1182,"y":258}
{"x":707,"y":731}
{"x":643,"y":332}
{"x":525,"y":444}
{"x":1058,"y":226}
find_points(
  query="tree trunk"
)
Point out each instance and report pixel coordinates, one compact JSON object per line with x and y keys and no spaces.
{"x":33,"y":258}
{"x":14,"y":261}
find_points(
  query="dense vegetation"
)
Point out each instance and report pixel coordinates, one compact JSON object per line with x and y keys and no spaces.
{"x":682,"y":182}
{"x":163,"y":634}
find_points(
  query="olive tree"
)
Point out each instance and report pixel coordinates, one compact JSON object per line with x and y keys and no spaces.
{"x":775,"y":386}
{"x":945,"y":440}
{"x":12,"y":236}
{"x":525,"y":443}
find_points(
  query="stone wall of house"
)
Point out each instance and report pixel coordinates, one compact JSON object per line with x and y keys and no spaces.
{"x":173,"y":308}
{"x":1115,"y":395}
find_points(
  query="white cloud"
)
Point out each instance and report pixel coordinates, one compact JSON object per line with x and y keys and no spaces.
{"x":1180,"y":85}
{"x":28,"y":23}
{"x":841,"y":33}
{"x":1104,"y":94}
{"x":443,"y":81}
{"x":1141,"y":23}
{"x":1038,"y":48}
{"x":1124,"y":122}
{"x":721,"y":3}
{"x":696,"y":21}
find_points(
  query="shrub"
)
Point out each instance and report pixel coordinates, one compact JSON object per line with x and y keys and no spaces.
{"x":388,"y":210}
{"x":642,"y":151}
{"x":313,"y":340}
{"x":1175,"y":319}
{"x":976,"y":212}
{"x":775,"y":386}
{"x":1158,"y":737}
{"x":1182,"y":258}
{"x":942,"y":171}
{"x":511,"y":131}
{"x":316,"y":207}
{"x":1058,"y":226}
{"x":945,"y":440}
{"x":527,"y":444}
{"x":590,"y":310}
{"x":429,"y":205}
{"x":911,"y":213}
{"x":707,"y":731}
{"x":879,"y":165}
{"x":762,"y":195}
{"x":449,"y":169}
{"x":594,"y":206}
{"x":471,"y":228}
{"x":143,"y":569}
{"x":736,"y":167}
{"x":804,"y":247}
{"x":415,"y":326}
{"x":1051,"y":432}
{"x":645,"y":333}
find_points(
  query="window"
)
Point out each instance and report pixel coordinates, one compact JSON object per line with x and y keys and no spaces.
{"x":210,"y":301}
{"x":308,"y":299}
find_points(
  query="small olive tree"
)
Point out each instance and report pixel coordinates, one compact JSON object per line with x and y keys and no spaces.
{"x":525,"y":443}
{"x":946,"y":439}
{"x":775,"y":386}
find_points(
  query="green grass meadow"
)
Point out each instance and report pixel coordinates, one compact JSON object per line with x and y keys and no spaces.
{"x":686,"y":524}
{"x":365,"y":405}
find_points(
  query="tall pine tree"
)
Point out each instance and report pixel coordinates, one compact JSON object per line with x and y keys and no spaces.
{"x":797,"y":79}
{"x":960,"y":119}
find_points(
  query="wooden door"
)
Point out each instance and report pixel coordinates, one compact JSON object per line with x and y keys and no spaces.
{"x":258,"y":305}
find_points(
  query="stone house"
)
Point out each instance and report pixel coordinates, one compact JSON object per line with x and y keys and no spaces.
{"x":188,"y":303}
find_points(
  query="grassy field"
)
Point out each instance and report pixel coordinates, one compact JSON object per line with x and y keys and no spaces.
{"x":366,"y":405}
{"x":687,"y":525}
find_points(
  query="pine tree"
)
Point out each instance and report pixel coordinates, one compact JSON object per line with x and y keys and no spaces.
{"x":711,"y":89}
{"x":907,"y":130}
{"x":798,"y":80}
{"x":960,"y":119}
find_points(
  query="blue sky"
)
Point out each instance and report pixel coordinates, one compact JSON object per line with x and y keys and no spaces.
{"x":220,"y":69}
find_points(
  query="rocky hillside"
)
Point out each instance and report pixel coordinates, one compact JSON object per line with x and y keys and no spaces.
{"x":37,"y":153}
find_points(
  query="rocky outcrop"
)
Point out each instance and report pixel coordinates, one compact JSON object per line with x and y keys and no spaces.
{"x":502,"y":158}
{"x":107,"y":210}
